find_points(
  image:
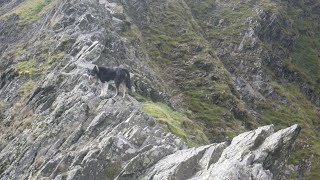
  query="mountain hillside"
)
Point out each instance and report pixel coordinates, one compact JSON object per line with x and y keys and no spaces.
{"x":202,"y":72}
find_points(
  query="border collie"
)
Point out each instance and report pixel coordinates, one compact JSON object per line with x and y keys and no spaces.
{"x":106,"y":74}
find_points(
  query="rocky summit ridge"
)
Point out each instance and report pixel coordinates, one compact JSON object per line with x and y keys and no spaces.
{"x":208,"y":77}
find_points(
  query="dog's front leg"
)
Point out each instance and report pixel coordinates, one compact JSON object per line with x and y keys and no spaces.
{"x":104,"y":89}
{"x":124,"y":90}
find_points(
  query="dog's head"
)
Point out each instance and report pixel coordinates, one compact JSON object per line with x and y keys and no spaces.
{"x":93,"y":73}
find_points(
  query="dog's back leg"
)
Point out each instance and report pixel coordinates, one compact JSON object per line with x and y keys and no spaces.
{"x":117,"y":87}
{"x":124,"y":90}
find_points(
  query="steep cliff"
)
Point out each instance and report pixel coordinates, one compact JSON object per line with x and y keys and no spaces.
{"x":203,"y":72}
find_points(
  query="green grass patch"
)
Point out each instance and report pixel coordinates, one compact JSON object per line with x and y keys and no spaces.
{"x":233,"y":17}
{"x":3,"y":108}
{"x":27,"y":88}
{"x":138,"y":97}
{"x":297,"y":109}
{"x":269,"y":5}
{"x":54,"y":57}
{"x":173,"y":35}
{"x":33,"y":67}
{"x":306,"y":56}
{"x":132,"y":33}
{"x":176,"y":123}
{"x":30,"y":10}
{"x":218,"y":119}
{"x":29,"y":67}
{"x":112,"y":170}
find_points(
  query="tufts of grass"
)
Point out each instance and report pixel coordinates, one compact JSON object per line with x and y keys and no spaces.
{"x":55,"y":57}
{"x":27,"y":88}
{"x":219,"y":121}
{"x":132,"y":33}
{"x":233,"y":16}
{"x":30,"y":10}
{"x":112,"y":170}
{"x":3,"y":108}
{"x":176,"y":39}
{"x":138,"y":97}
{"x":176,"y":123}
{"x":33,"y":67}
{"x":269,"y":5}
{"x":29,"y":67}
{"x":306,"y":56}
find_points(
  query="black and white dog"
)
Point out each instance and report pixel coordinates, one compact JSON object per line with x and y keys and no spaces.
{"x":106,"y":74}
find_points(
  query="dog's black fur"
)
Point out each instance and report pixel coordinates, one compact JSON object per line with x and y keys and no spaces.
{"x":106,"y":74}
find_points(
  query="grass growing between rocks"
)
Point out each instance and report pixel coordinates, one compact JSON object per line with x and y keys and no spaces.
{"x":113,"y":170}
{"x":30,"y":10}
{"x":221,"y":21}
{"x":296,"y":109}
{"x":3,"y":108}
{"x":29,"y":67}
{"x":38,"y":65}
{"x":173,"y":35}
{"x":176,"y":123}
{"x":51,"y":59}
{"x":27,"y":88}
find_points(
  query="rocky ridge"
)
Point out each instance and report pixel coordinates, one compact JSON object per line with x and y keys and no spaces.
{"x":55,"y":126}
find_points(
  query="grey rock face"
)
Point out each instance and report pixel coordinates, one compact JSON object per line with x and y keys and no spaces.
{"x":258,"y":154}
{"x":77,"y":145}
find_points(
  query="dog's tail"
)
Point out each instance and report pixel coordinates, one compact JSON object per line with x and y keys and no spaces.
{"x":127,"y":80}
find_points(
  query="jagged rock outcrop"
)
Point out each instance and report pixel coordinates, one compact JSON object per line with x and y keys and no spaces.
{"x":258,"y":154}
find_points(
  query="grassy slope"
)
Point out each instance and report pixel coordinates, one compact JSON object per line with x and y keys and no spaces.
{"x":297,"y":110}
{"x":179,"y":52}
{"x":305,"y":58}
{"x":306,"y":55}
{"x":177,"y":123}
